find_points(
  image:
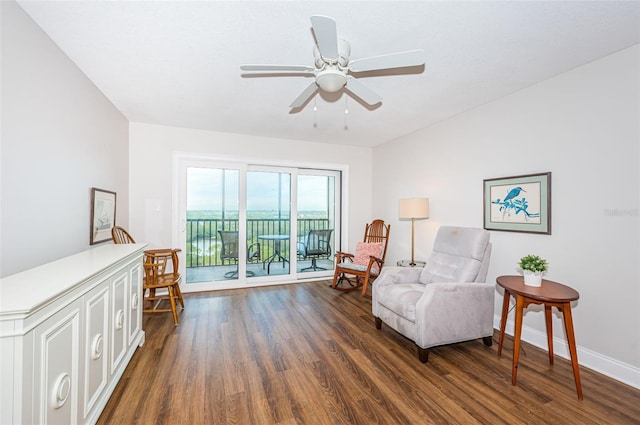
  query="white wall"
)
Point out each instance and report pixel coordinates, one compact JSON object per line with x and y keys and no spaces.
{"x":583,"y":126}
{"x":151,"y":153}
{"x":60,"y":137}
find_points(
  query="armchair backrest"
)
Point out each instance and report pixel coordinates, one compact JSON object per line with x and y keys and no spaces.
{"x":460,"y":254}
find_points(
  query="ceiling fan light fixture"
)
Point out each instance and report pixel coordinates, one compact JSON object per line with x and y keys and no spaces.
{"x":331,"y":80}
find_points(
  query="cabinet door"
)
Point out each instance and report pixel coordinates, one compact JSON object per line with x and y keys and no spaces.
{"x":96,"y":364}
{"x":135,"y":301}
{"x":119,"y":334}
{"x":57,"y":351}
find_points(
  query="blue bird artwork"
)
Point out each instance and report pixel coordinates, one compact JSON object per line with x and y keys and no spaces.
{"x":513,"y":193}
{"x":514,"y":203}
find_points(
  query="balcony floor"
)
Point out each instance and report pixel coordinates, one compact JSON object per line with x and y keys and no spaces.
{"x":216,"y":273}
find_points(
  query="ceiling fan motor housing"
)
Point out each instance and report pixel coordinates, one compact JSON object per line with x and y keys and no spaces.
{"x":344,"y":51}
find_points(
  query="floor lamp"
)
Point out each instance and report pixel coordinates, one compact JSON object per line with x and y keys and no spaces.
{"x":414,"y":209}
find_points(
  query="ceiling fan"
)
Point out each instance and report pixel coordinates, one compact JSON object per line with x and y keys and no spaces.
{"x":333,"y":70}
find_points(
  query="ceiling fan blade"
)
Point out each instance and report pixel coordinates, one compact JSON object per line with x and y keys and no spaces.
{"x":362,"y":91}
{"x":304,"y":96}
{"x":392,"y":60}
{"x":293,"y":68}
{"x":326,"y":36}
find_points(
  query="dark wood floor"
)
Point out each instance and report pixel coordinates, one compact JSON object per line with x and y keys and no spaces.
{"x":307,"y":354}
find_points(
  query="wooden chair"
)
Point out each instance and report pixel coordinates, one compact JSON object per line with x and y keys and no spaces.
{"x":157,"y":275}
{"x":365,"y":265}
{"x":120,"y":235}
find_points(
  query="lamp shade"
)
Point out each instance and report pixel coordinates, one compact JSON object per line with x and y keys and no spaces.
{"x":414,"y":208}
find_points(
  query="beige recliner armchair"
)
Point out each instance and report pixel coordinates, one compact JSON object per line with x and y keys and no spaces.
{"x":448,"y":300}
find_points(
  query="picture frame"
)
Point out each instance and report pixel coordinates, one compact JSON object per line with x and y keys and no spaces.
{"x":518,"y":203}
{"x":103,"y":215}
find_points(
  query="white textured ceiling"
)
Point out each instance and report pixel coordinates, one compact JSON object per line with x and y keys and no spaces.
{"x":177,"y":62}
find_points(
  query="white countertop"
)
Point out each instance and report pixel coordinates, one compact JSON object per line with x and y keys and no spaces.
{"x":26,"y":291}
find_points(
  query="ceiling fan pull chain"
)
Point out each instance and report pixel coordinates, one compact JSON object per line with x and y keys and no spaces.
{"x":346,"y":112}
{"x":315,"y":110}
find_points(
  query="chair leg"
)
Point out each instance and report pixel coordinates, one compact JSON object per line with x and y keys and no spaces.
{"x":314,"y":266}
{"x":335,"y":279}
{"x":488,"y":340}
{"x":423,"y":354}
{"x":365,"y":284}
{"x":172,"y":301}
{"x":378,"y":323}
{"x":179,"y":295}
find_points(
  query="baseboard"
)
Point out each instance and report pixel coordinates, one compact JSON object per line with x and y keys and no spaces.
{"x":608,"y":366}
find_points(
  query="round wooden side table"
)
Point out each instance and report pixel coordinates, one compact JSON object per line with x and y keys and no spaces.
{"x":551,"y":294}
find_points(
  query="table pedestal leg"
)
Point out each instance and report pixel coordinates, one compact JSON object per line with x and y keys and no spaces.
{"x":568,"y":325}
{"x":516,"y":338}
{"x":547,"y":314}
{"x":503,"y":321}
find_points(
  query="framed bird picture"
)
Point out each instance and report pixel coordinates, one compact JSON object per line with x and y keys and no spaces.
{"x":518,"y":203}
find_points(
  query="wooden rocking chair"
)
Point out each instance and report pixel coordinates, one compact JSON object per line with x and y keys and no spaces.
{"x":358,"y":269}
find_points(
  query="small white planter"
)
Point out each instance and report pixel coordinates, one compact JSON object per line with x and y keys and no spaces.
{"x":532,"y":278}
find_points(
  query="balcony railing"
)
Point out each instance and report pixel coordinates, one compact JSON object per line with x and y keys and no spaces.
{"x":204,"y":245}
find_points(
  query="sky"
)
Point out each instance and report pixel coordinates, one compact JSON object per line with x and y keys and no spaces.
{"x":204,"y":190}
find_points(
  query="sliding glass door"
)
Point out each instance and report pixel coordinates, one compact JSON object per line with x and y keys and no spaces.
{"x":212,"y":224}
{"x":317,"y":209}
{"x":269,"y":219}
{"x":237,"y":223}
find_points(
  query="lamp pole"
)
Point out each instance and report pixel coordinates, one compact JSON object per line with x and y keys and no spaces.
{"x":413,"y":223}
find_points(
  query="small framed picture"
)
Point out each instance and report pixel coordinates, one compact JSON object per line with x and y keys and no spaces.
{"x":518,"y":203}
{"x":103,"y":215}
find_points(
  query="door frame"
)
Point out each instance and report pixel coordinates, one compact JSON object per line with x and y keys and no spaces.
{"x":182,"y":160}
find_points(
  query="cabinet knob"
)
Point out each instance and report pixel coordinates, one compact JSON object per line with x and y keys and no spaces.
{"x":119,"y":319}
{"x":97,"y":346}
{"x":134,"y":302}
{"x":61,"y":391}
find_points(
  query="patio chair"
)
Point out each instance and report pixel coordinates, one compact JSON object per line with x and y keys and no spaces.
{"x":316,"y":245}
{"x":229,"y":251}
{"x":366,"y":264}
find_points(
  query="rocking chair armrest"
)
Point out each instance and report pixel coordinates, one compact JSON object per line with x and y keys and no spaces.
{"x":340,"y":255}
{"x":373,"y":259}
{"x":376,"y":259}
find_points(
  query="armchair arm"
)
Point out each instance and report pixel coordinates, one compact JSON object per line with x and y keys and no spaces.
{"x":454,"y":311}
{"x":395,"y":275}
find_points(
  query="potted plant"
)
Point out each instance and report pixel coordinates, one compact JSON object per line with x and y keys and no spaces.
{"x":533,"y":268}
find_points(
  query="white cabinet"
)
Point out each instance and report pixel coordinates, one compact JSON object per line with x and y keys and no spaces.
{"x":57,"y":348}
{"x":96,"y":359}
{"x":119,"y":334}
{"x":67,"y":331}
